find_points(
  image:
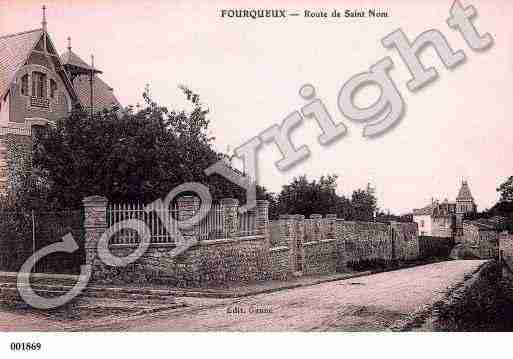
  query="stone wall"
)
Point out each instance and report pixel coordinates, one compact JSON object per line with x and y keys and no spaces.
{"x":470,"y":240}
{"x":435,"y":246}
{"x":209,"y":263}
{"x":274,"y":232}
{"x":363,"y":241}
{"x":333,"y":245}
{"x":320,"y":257}
{"x":506,"y":245}
{"x":506,"y":252}
{"x":280,"y":262}
{"x":479,"y":242}
{"x":488,"y":244}
{"x":405,"y":241}
{"x":288,"y":247}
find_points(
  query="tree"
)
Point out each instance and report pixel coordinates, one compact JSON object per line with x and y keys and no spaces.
{"x":363,"y":203}
{"x":133,"y":156}
{"x":306,"y":197}
{"x":506,"y":190}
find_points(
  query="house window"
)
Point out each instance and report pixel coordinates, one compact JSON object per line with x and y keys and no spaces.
{"x":38,"y":85}
{"x":24,"y":85}
{"x":53,"y":88}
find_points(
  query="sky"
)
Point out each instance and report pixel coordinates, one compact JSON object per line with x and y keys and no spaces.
{"x":249,"y":73}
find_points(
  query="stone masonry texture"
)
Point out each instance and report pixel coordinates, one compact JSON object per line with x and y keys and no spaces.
{"x":299,"y":246}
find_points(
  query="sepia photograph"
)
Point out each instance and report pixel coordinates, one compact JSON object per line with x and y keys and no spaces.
{"x":338,"y":171}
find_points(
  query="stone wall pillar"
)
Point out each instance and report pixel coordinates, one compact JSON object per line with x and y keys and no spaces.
{"x":395,"y":241}
{"x":230,"y":208}
{"x":331,"y":220}
{"x":95,"y":224}
{"x":4,"y":170}
{"x":188,"y":207}
{"x":300,"y":228}
{"x":288,"y":237}
{"x":316,"y":227}
{"x":299,"y":252}
{"x":262,"y":219}
{"x":458,"y":227}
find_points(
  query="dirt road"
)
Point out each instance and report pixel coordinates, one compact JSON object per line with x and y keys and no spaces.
{"x":373,"y":302}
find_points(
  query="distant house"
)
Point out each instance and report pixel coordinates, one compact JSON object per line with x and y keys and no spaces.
{"x":445,"y":219}
{"x":423,"y":218}
{"x":481,"y":237}
{"x":39,"y":87}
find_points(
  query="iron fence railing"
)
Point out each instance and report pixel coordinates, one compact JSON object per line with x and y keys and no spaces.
{"x":155,"y":220}
{"x":213,"y":224}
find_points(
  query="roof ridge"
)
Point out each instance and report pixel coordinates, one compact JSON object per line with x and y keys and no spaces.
{"x":72,"y":58}
{"x":19,"y":33}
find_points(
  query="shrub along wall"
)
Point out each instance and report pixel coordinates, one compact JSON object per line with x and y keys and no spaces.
{"x":472,"y":306}
{"x":15,"y":239}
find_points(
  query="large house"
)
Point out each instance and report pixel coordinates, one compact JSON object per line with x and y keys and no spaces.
{"x":445,"y":219}
{"x":38,"y":87}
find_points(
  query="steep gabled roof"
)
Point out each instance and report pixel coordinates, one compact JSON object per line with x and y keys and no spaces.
{"x":14,"y":51}
{"x":69,"y":58}
{"x":464,"y":193}
{"x":103,"y":95}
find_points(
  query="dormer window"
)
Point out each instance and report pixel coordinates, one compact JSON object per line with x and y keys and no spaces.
{"x":38,"y":84}
{"x":24,"y":85}
{"x":53,"y":88}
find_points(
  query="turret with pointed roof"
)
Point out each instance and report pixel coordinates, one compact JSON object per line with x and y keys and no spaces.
{"x":75,"y":65}
{"x":464,"y":192}
{"x":464,"y":200}
{"x":80,"y":72}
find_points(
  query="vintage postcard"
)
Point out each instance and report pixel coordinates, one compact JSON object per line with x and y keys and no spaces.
{"x":242,"y":166}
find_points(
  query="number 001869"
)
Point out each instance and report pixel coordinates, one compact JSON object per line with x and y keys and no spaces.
{"x":25,"y":346}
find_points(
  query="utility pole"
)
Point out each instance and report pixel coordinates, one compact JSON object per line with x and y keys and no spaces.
{"x":33,"y":240}
{"x":91,"y":85}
